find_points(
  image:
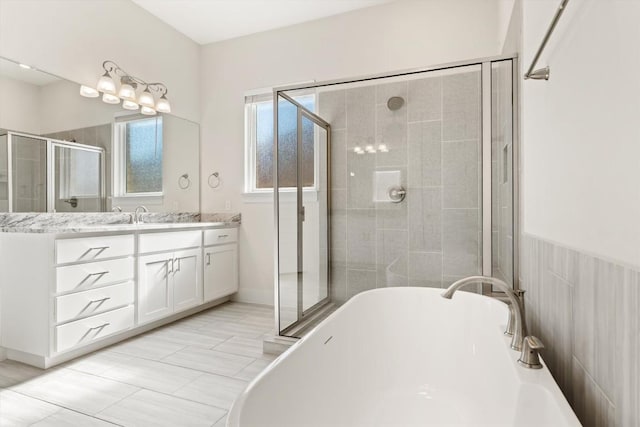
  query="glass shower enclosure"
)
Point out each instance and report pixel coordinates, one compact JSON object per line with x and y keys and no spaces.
{"x":408,"y":179}
{"x":40,"y":174}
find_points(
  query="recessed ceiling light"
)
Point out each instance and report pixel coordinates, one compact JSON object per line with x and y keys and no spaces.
{"x":25,"y":66}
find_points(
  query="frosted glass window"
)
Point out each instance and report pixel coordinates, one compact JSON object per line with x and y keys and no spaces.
{"x":143,"y":154}
{"x":261,"y":123}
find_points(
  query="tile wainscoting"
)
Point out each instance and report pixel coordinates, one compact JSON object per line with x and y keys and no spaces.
{"x":586,"y":310}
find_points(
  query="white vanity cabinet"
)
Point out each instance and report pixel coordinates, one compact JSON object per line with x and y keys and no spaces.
{"x":64,"y":295}
{"x":64,"y":292}
{"x":170,"y":281}
{"x":94,"y":289}
{"x":220,"y":263}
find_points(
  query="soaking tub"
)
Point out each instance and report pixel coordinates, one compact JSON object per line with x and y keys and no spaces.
{"x":404,"y":357}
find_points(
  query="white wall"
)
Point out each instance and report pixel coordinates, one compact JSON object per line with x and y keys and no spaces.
{"x":19,"y":106}
{"x":62,"y":108}
{"x":395,"y":36}
{"x":72,"y":38}
{"x":580,"y":132}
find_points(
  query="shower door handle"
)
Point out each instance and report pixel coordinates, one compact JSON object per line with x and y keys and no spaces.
{"x":302,"y":214}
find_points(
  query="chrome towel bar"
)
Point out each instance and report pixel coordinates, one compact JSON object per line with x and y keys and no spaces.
{"x":543,"y":73}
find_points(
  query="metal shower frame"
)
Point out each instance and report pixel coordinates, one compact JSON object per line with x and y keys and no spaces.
{"x":486,"y":141}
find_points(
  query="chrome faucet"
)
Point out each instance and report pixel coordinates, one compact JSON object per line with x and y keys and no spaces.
{"x":529,"y":345}
{"x":136,"y":214}
{"x":116,"y":209}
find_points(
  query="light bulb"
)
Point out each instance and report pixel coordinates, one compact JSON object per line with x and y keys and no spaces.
{"x":163,"y":105}
{"x":146,"y":99}
{"x":148,"y":111}
{"x":88,"y":92}
{"x":106,"y":84}
{"x":383,"y":148}
{"x":370,"y":149}
{"x":129,"y":105}
{"x":127,"y":92}
{"x":110,"y":99}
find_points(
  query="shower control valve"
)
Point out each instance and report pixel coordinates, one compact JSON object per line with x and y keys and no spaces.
{"x":397,"y":194}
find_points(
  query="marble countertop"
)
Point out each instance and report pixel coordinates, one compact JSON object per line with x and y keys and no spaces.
{"x":100,"y":223}
{"x":101,"y":228}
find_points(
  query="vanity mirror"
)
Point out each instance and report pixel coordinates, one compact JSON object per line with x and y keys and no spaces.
{"x":62,"y":152}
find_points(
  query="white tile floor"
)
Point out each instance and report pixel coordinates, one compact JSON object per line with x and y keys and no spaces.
{"x":187,"y":373}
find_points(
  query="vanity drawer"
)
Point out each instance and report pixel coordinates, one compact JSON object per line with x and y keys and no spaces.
{"x":93,"y":274}
{"x":220,"y":236}
{"x":79,"y":304}
{"x":158,"y":242}
{"x":93,"y":328}
{"x":90,"y":248}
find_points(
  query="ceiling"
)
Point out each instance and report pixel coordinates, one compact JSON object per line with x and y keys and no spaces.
{"x":208,"y":21}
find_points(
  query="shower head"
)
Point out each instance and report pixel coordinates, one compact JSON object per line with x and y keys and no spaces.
{"x":395,"y":103}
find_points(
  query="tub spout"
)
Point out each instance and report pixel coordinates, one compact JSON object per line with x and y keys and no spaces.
{"x":516,"y":317}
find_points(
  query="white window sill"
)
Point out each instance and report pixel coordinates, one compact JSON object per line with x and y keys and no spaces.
{"x":284,"y":196}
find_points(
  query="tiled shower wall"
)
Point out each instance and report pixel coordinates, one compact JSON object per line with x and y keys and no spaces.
{"x":433,"y":237}
{"x":586,"y":310}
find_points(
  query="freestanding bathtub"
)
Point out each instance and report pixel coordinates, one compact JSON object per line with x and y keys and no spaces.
{"x":404,"y":357}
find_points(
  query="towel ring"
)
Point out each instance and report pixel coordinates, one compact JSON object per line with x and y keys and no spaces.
{"x":216,"y":180}
{"x":184,"y":182}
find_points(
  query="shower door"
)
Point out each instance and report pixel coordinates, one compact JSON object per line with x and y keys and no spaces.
{"x":27,"y":174}
{"x":302,"y":202}
{"x":78,"y":184}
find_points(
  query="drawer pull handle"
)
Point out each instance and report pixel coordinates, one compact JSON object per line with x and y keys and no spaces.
{"x":222,"y":236}
{"x":100,"y":249}
{"x":100,"y":300}
{"x":99,"y":273}
{"x":95,"y":328}
{"x":104,"y":325}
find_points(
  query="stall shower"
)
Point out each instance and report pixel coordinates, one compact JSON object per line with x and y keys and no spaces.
{"x":399,"y":180}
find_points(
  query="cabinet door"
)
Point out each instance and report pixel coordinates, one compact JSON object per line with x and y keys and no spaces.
{"x":155,"y":278}
{"x":187,"y":281}
{"x":220,"y":271}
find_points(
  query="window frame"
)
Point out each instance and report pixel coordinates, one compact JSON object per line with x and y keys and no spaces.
{"x":119,"y":162}
{"x":251,"y":192}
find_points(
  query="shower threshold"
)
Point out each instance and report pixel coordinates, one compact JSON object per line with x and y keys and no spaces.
{"x":279,"y":343}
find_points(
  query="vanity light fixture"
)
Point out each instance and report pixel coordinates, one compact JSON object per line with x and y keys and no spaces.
{"x":129,"y":84}
{"x":129,"y":105}
{"x":146,"y":99}
{"x":110,"y":99}
{"x":163,"y":105}
{"x":127,"y":90}
{"x":89,"y":92}
{"x":148,"y":111}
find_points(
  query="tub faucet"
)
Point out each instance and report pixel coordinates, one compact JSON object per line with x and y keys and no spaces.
{"x":136,"y":214}
{"x":529,"y":345}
